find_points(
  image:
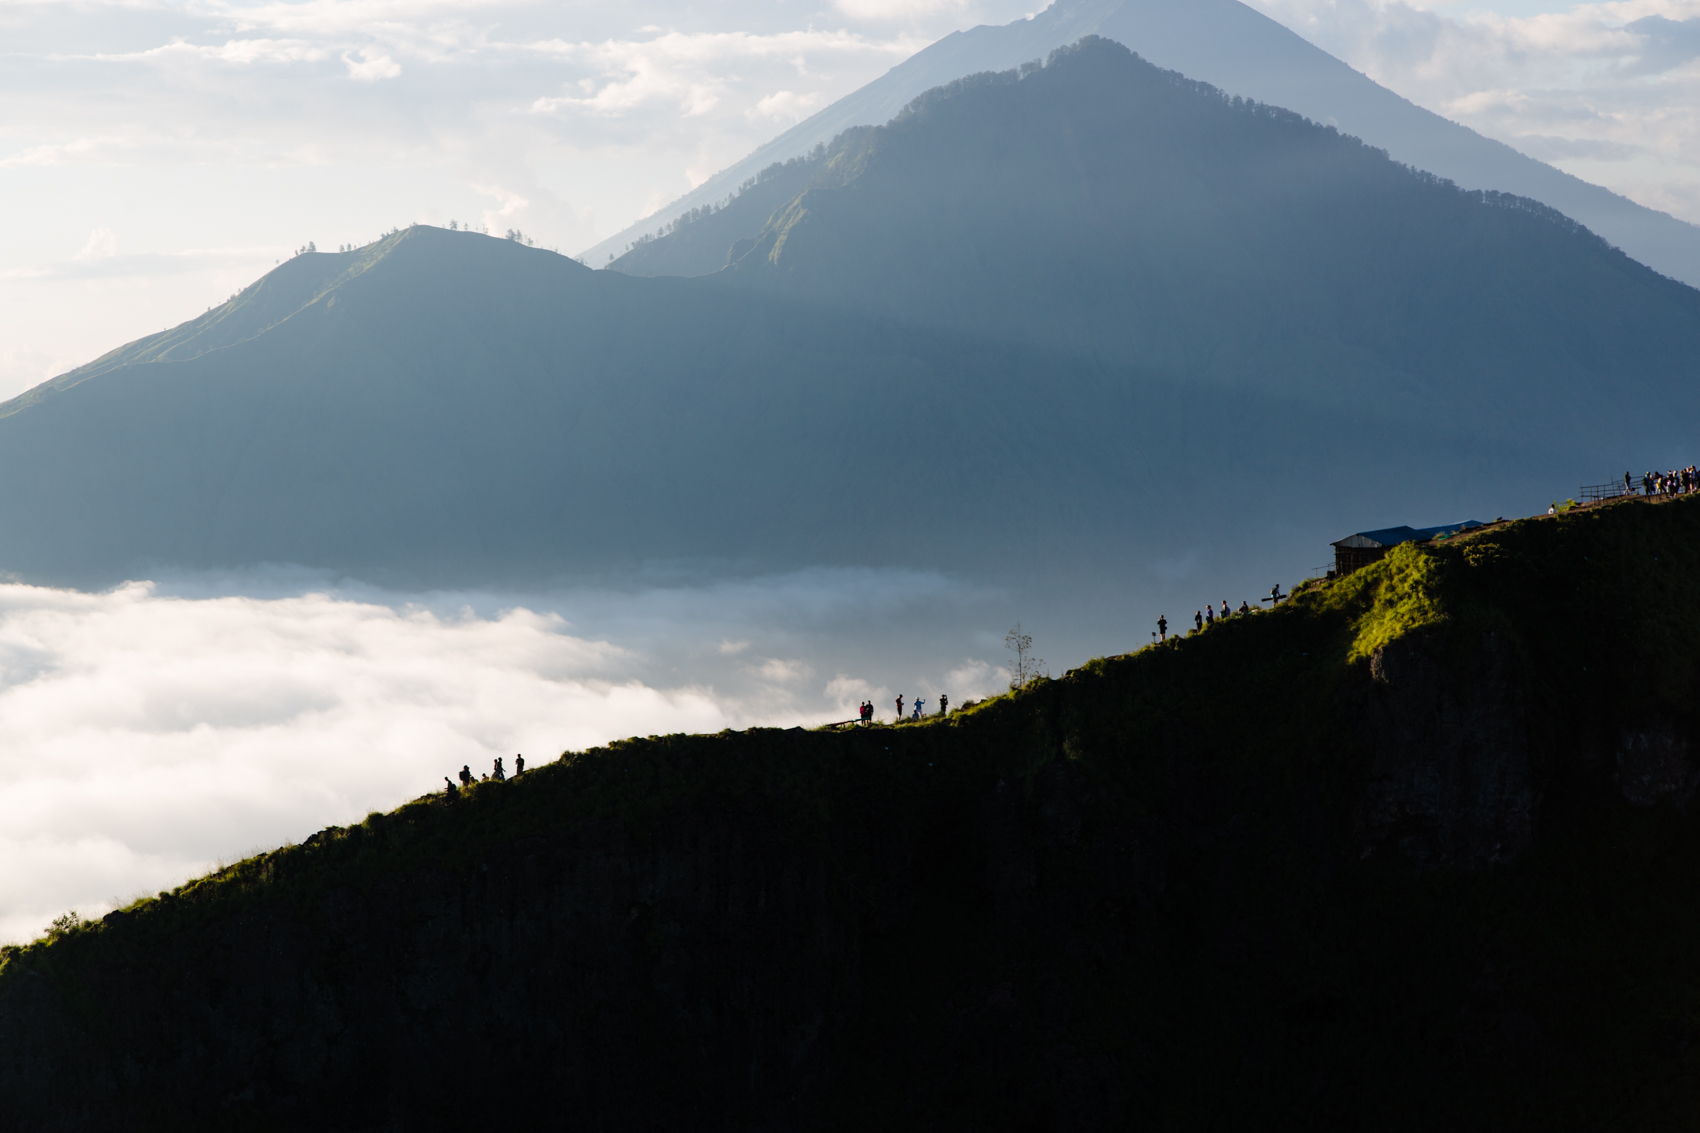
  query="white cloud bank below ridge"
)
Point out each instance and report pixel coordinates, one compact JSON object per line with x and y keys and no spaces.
{"x":148,"y":734}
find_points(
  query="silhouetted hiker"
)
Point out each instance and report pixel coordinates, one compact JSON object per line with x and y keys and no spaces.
{"x":868,"y":712}
{"x":465,"y":775}
{"x":1162,"y":628}
{"x":484,"y":778}
{"x":1628,"y":488}
{"x":1225,"y":611}
{"x":1209,"y":615}
{"x":1198,"y":620}
{"x":1245,"y":607}
{"x":900,"y":709}
{"x":1647,"y":484}
{"x":519,"y":765}
{"x":919,"y":700}
{"x":498,"y":774}
{"x":453,"y":790}
{"x":1275,"y":594}
{"x":944,"y":703}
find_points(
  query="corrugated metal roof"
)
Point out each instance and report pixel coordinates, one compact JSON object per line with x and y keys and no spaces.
{"x":1393,"y":536}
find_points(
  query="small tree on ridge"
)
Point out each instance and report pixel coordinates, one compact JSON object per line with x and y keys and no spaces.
{"x":1025,"y":668}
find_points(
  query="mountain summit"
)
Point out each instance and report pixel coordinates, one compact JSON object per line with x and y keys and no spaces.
{"x":1243,"y":52}
{"x":1101,"y":207}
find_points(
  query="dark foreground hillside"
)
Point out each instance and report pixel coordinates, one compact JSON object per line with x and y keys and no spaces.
{"x":1409,"y":852}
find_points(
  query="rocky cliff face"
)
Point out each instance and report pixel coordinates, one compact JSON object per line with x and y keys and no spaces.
{"x":1450,"y":778}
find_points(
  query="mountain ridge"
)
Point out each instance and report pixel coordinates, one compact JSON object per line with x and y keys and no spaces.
{"x":1241,"y":51}
{"x":1092,"y":381}
{"x":1116,"y":193}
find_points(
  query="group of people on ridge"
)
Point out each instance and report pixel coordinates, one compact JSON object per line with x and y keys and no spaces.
{"x":1209,"y":615}
{"x":865,"y":713}
{"x":1676,"y":483}
{"x":496,"y":773}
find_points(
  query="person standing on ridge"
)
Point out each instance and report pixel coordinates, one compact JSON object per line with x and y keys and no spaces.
{"x":453,"y":790}
{"x":1209,"y":614}
{"x":519,"y":765}
{"x":919,"y":700}
{"x":1162,"y":628}
{"x":900,"y":708}
{"x":465,"y":775}
{"x":944,"y":703}
{"x":1198,"y":620}
{"x":1628,"y":488}
{"x":497,"y":773}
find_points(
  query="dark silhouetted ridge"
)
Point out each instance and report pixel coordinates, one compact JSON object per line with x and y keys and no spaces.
{"x":1410,"y":851}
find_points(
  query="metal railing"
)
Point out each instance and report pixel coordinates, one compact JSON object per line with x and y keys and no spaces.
{"x":1594,"y":493}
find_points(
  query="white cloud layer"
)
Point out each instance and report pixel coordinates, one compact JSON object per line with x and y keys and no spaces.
{"x":155,"y":729}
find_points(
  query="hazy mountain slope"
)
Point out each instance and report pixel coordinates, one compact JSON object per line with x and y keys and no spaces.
{"x":700,"y":241}
{"x":1231,"y":46}
{"x":1103,"y":207}
{"x":1408,"y":853}
{"x":984,"y":48}
{"x":459,"y":409}
{"x":258,"y":308}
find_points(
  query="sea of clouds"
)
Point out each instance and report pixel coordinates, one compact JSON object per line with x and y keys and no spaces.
{"x":149,"y":732}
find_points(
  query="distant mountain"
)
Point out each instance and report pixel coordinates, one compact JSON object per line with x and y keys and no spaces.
{"x":1231,"y":46}
{"x":1102,"y":207}
{"x":1087,"y":325}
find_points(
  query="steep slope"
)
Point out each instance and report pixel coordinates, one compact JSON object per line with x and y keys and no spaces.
{"x":1233,"y":47}
{"x":700,"y":241}
{"x":459,"y":410}
{"x":1102,"y":207}
{"x":1409,"y":852}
